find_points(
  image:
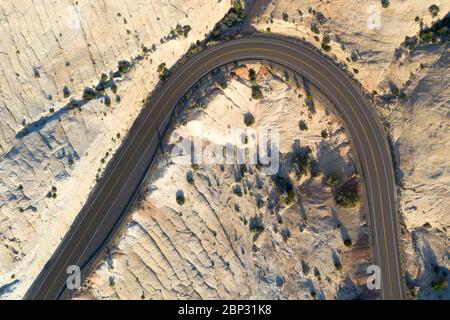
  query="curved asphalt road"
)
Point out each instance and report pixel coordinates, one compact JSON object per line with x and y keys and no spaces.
{"x":110,"y":200}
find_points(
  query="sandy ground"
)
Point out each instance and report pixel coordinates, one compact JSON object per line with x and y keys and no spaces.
{"x":208,"y":248}
{"x":45,"y":47}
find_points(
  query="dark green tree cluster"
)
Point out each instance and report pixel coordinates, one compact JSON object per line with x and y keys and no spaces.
{"x":235,"y":15}
{"x":163,"y":71}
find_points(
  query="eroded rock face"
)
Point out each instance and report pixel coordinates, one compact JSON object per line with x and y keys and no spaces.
{"x":50,"y":149}
{"x":408,"y":77}
{"x":238,"y":233}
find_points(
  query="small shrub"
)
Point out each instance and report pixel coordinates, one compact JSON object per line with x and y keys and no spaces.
{"x":439,"y":285}
{"x":385,"y":3}
{"x":285,"y":234}
{"x":304,"y":163}
{"x":89,"y":94}
{"x":163,"y":71}
{"x":347,"y":199}
{"x":249,"y":119}
{"x":181,"y":30}
{"x":190,"y":177}
{"x":107,"y":101}
{"x":256,"y":225}
{"x":36,"y":73}
{"x":433,"y":10}
{"x":52,"y":110}
{"x":302,"y":125}
{"x":112,"y":282}
{"x":333,"y":180}
{"x":326,"y":47}
{"x":124,"y":66}
{"x":256,"y":92}
{"x":427,"y":225}
{"x":237,"y":190}
{"x":235,"y":15}
{"x":338,"y":266}
{"x":252,"y":75}
{"x":114,"y":88}
{"x":324,"y":133}
{"x":103,"y":77}
{"x":101,"y":90}
{"x":290,"y":196}
{"x":66,"y":92}
{"x":348,"y":243}
{"x":315,"y":29}
{"x":305,"y":267}
{"x":285,"y":16}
